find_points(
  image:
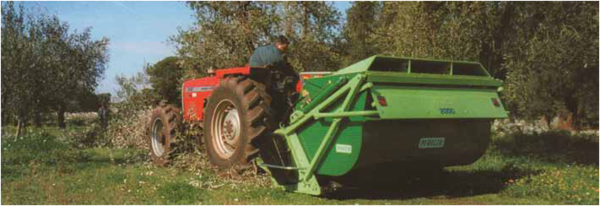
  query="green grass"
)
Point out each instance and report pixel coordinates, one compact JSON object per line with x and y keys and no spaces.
{"x":50,"y":166}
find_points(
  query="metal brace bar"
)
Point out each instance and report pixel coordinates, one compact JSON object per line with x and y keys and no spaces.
{"x":366,"y":86}
{"x":279,"y":167}
{"x":325,"y":103}
{"x":325,"y":144}
{"x":346,"y":114}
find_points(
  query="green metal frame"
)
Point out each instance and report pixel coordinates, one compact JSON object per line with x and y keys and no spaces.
{"x":341,"y":91}
{"x":307,"y":182}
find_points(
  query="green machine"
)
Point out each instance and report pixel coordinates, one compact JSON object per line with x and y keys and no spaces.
{"x":385,"y":112}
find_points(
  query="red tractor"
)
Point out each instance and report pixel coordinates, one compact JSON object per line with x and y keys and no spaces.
{"x":235,"y":107}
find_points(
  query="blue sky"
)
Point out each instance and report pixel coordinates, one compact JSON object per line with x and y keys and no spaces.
{"x":138,"y":31}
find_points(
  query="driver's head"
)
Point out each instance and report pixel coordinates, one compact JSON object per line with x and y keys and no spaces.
{"x":281,"y":42}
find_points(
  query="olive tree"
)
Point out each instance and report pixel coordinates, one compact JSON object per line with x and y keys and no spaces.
{"x":226,"y":33}
{"x":359,"y":31}
{"x":45,"y":66}
{"x":552,"y":61}
{"x":165,"y":78}
{"x":18,"y":64}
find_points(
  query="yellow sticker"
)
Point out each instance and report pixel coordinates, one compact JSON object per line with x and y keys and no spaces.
{"x":304,"y":93}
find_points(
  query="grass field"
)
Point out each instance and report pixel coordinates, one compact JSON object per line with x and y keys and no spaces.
{"x":51,"y":166}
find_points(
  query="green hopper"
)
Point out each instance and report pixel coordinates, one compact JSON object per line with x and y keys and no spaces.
{"x":385,"y":112}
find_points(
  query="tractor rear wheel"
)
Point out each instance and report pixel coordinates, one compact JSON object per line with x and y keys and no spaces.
{"x":237,"y":115}
{"x":164,"y":123}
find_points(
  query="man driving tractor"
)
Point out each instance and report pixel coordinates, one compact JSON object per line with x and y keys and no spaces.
{"x":273,"y":56}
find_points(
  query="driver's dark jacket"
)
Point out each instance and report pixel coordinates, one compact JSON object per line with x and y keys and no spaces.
{"x":270,"y":56}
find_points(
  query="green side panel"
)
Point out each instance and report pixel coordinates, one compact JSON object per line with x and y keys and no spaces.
{"x":394,"y":77}
{"x":314,"y":86}
{"x":347,"y":145}
{"x":428,"y":102}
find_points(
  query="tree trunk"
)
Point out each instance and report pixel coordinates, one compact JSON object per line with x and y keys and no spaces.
{"x":2,"y":115}
{"x":572,"y":112}
{"x":19,"y":128}
{"x":2,"y":121}
{"x":37,"y":119}
{"x":61,"y":117}
{"x":21,"y":124}
{"x":305,"y":19}
{"x":546,"y":121}
{"x":564,"y":121}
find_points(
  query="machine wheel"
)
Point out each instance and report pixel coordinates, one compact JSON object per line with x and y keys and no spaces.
{"x":236,"y":116}
{"x":164,"y":124}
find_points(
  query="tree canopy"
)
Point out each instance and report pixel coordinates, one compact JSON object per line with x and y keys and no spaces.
{"x":547,"y":53}
{"x":165,"y":77}
{"x":45,"y":66}
{"x":359,"y":31}
{"x":551,"y":60}
{"x":226,"y":33}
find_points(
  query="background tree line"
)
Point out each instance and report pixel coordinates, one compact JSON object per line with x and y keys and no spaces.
{"x":546,"y":52}
{"x":46,"y":67}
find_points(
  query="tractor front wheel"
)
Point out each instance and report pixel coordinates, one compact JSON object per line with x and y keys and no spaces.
{"x":164,"y":123}
{"x":236,"y":116}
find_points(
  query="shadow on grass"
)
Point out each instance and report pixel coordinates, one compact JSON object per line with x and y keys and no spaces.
{"x":440,"y":183}
{"x":554,"y":147}
{"x":10,"y":172}
{"x":551,"y":147}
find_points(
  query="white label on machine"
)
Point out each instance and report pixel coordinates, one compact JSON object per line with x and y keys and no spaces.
{"x":431,"y":142}
{"x":343,"y":148}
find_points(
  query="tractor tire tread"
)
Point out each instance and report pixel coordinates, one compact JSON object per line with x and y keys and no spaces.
{"x":169,"y":114}
{"x":254,"y":102}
